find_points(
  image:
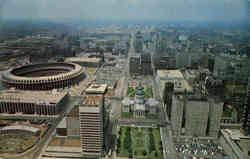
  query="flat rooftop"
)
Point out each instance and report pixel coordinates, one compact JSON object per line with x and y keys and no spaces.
{"x":170,"y":74}
{"x":92,"y":100}
{"x":82,"y":59}
{"x":184,"y":86}
{"x":37,"y":97}
{"x":97,"y":88}
{"x":70,"y":142}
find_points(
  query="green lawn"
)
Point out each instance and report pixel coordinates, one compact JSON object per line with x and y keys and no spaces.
{"x":149,"y":92}
{"x":131,"y":92}
{"x":141,"y":143}
{"x":127,"y":115}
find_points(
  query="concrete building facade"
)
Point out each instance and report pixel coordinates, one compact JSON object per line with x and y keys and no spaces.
{"x":215,"y":115}
{"x":138,"y":43}
{"x":196,"y":118}
{"x":85,"y":62}
{"x":73,"y":122}
{"x":140,"y":65}
{"x":164,"y":62}
{"x":91,"y":114}
{"x":177,"y":112}
{"x":35,"y":102}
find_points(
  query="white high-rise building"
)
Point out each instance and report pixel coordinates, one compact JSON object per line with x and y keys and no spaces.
{"x":91,"y":114}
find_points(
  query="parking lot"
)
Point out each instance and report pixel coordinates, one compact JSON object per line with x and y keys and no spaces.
{"x":197,"y":148}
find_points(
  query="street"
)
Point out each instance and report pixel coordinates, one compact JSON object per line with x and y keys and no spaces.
{"x":166,"y":132}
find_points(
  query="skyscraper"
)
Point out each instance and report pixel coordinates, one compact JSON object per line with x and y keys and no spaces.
{"x":91,"y":114}
{"x":138,"y":42}
{"x":215,"y":114}
{"x":167,"y":97}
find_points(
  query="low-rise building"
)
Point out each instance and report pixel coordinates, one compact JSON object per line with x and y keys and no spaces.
{"x":32,"y":102}
{"x":176,"y":77}
{"x":96,"y":89}
{"x":86,"y":62}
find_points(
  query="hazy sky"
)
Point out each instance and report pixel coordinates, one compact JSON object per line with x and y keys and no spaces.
{"x":198,"y":10}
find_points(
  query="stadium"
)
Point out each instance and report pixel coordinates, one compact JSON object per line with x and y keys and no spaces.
{"x":45,"y":76}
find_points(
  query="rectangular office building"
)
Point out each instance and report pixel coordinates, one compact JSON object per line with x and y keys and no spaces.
{"x":91,"y":115}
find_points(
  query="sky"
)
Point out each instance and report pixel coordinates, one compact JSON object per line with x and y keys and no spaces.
{"x":162,"y":10}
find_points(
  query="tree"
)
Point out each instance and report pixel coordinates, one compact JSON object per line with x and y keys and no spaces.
{"x":160,"y":143}
{"x":127,"y":140}
{"x":151,"y":142}
{"x":119,"y":142}
{"x":156,"y":154}
{"x":130,"y":156}
{"x":135,"y":152}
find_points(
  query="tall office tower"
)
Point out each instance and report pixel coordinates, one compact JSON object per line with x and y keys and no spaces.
{"x":146,"y":66}
{"x":215,"y":114}
{"x":92,"y":116}
{"x":165,"y":62}
{"x":246,"y":115}
{"x":211,"y":65}
{"x":167,"y":97}
{"x":138,"y":43}
{"x":196,"y":117}
{"x":134,"y":65}
{"x":140,"y":65}
{"x":177,"y":114}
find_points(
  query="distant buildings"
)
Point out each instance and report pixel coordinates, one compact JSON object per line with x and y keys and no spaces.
{"x":138,"y":43}
{"x":164,"y":62}
{"x":86,"y":62}
{"x":109,"y":75}
{"x":246,"y":115}
{"x":140,"y":65}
